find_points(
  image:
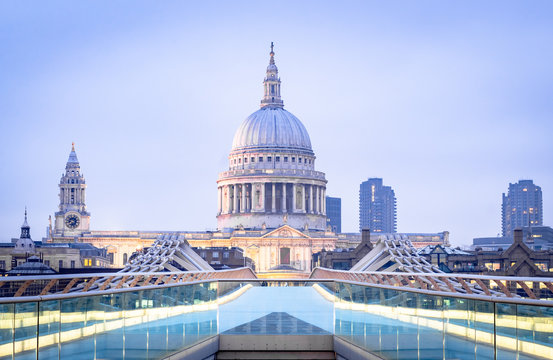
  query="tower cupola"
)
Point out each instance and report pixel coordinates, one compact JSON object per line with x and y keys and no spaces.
{"x":25,"y":244}
{"x":25,"y":228}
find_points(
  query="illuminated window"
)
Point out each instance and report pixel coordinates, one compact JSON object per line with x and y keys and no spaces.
{"x":543,"y":266}
{"x":525,"y":189}
{"x":493,"y":266}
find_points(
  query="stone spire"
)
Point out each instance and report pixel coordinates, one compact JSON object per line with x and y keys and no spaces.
{"x":73,"y":156}
{"x":25,"y":228}
{"x":271,"y":84}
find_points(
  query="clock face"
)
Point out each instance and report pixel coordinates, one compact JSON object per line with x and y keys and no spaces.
{"x":72,"y":221}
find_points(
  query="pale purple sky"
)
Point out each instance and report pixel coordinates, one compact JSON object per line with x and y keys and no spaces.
{"x":448,"y":102}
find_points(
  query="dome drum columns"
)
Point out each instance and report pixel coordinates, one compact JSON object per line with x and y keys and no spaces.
{"x":268,"y":198}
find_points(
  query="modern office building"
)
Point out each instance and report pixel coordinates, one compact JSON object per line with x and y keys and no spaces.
{"x":334,"y":213}
{"x":535,"y":237}
{"x":522,"y":206}
{"x":377,"y":207}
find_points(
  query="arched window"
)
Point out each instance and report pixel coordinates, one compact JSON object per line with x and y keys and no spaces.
{"x":72,"y":181}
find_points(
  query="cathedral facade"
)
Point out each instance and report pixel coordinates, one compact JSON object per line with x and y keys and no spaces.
{"x":271,"y":200}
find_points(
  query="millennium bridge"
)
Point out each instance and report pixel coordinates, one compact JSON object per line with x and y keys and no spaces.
{"x":391,"y":305}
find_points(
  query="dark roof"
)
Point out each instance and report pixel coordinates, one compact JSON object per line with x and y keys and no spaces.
{"x":33,"y":266}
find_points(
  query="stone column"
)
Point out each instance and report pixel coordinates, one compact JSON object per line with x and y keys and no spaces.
{"x":324,"y":200}
{"x":267,"y":264}
{"x":228,"y":205}
{"x":293,"y":198}
{"x":218,"y":200}
{"x":249,"y":198}
{"x":302,"y":197}
{"x":311,"y":199}
{"x":221,"y":199}
{"x":273,"y":196}
{"x":283,"y":197}
{"x":316,"y":200}
{"x":243,"y":202}
{"x":263,"y":197}
{"x":235,"y":200}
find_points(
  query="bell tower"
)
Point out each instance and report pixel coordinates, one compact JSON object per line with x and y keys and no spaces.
{"x":72,"y":217}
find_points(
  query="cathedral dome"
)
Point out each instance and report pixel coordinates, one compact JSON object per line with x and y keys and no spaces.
{"x":271,"y":127}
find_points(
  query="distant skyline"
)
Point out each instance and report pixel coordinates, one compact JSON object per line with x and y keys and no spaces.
{"x":447,"y":102}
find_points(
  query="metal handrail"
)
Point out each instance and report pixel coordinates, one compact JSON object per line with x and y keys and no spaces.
{"x":505,"y":286}
{"x":25,"y":286}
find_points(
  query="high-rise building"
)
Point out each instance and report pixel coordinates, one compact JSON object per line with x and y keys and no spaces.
{"x":334,"y":213}
{"x":377,"y":207}
{"x":522,"y":206}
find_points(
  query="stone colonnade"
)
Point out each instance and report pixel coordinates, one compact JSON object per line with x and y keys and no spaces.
{"x":271,"y":197}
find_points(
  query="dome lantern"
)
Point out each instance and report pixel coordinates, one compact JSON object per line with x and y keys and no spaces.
{"x":271,"y":84}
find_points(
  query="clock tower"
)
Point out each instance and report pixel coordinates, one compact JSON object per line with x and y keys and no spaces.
{"x":72,"y":218}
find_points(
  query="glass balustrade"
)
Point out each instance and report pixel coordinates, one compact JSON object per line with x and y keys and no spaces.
{"x":156,"y":322}
{"x":396,"y":324}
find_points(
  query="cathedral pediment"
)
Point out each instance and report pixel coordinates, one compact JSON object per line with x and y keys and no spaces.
{"x":286,"y":232}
